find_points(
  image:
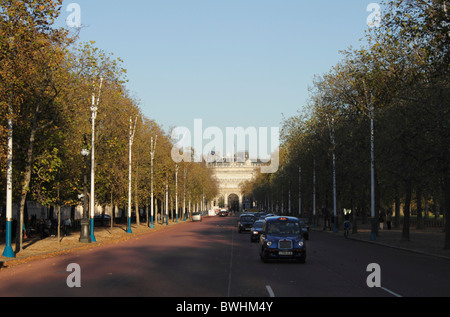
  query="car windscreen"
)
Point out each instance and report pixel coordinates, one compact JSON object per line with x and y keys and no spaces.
{"x":247,"y":219}
{"x":283,"y":228}
{"x":258,"y":225}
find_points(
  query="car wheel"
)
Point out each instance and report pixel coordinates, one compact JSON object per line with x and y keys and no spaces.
{"x":263,"y":257}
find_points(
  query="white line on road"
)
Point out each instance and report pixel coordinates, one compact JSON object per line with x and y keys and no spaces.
{"x":231,"y":264}
{"x":390,"y":292}
{"x":269,"y":289}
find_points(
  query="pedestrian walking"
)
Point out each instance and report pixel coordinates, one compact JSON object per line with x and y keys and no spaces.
{"x":389,"y":220}
{"x":381,"y":220}
{"x":67,"y":224}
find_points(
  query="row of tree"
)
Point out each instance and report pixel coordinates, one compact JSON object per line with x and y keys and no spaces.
{"x":47,"y":80}
{"x":399,"y":81}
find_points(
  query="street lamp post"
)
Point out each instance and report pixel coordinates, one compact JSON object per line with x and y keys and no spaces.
{"x":152,"y":156}
{"x":333,"y":143}
{"x":299,"y":191}
{"x":94,"y":108}
{"x":314,"y":194}
{"x":184,"y":195}
{"x":373,"y":235}
{"x":373,"y":221}
{"x":84,"y":235}
{"x":289,"y":199}
{"x":176,"y":193}
{"x":132,"y":131}
{"x":167,"y":201}
{"x":8,"y":251}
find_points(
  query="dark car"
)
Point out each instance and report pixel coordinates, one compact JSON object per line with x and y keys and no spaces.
{"x":305,"y":227}
{"x":282,"y":238}
{"x":255,"y":232}
{"x":223,"y":213}
{"x":245,"y":222}
{"x":260,"y":215}
{"x":102,"y":220}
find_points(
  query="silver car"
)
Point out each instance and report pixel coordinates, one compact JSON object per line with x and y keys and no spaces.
{"x":197,"y":216}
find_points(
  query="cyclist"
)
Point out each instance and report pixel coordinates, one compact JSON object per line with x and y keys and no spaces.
{"x":347,"y":226}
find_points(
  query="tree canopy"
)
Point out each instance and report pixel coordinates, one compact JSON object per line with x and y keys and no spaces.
{"x":47,"y":78}
{"x":402,"y":74}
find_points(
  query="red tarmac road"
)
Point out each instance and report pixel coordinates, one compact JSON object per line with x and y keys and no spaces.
{"x":211,"y":259}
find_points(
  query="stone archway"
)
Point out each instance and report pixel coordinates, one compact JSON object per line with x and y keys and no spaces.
{"x":234,"y":202}
{"x":230,"y":177}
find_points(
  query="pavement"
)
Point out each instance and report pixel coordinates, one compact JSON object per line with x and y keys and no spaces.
{"x":428,"y":241}
{"x":36,"y":248}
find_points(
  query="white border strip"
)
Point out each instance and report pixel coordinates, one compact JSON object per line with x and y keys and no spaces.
{"x":269,"y":289}
{"x":390,"y":292}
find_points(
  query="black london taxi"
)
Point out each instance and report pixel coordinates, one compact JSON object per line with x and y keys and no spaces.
{"x":255,"y":232}
{"x":245,"y":222}
{"x":281,"y":238}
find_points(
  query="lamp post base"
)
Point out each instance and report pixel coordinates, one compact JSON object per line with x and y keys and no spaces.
{"x":8,"y":252}
{"x":84,"y":236}
{"x":373,"y":233}
{"x":129,"y":226}
{"x":92,"y":236}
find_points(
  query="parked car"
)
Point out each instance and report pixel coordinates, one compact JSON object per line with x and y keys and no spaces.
{"x":102,"y":220}
{"x":255,"y":232}
{"x":245,"y":222}
{"x":305,"y":227}
{"x":282,"y":238}
{"x":197,"y":216}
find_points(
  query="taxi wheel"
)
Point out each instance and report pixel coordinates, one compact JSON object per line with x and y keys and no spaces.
{"x":263,"y":257}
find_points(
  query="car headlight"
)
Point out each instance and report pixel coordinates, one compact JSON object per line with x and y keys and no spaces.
{"x":269,"y":243}
{"x":300,"y":244}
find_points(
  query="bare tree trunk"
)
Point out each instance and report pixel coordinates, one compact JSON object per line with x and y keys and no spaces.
{"x":112,"y":211}
{"x":406,"y":212}
{"x":58,"y":212}
{"x":136,"y":202}
{"x":27,"y":177}
{"x":447,"y":210}
{"x":419,"y":224}
{"x":397,"y":208}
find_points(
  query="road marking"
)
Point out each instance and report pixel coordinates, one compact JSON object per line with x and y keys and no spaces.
{"x":390,"y":292}
{"x":269,"y":289}
{"x":231,"y":264}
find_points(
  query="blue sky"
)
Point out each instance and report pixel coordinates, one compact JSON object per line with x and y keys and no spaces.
{"x":231,"y":63}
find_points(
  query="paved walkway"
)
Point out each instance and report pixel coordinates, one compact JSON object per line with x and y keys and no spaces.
{"x":428,"y":241}
{"x":36,"y":248}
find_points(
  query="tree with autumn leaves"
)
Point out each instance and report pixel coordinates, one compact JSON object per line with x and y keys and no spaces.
{"x":400,"y":79}
{"x":47,"y":79}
